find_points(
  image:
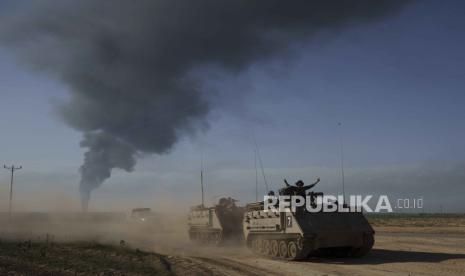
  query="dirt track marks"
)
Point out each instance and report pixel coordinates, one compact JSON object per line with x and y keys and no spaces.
{"x":215,"y":266}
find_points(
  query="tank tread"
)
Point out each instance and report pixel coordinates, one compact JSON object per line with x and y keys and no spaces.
{"x":298,"y":248}
{"x":288,"y":248}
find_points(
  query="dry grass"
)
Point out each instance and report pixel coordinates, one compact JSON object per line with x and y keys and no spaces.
{"x":77,"y":258}
{"x":417,"y":220}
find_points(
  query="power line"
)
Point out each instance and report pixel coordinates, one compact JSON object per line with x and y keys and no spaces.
{"x":12,"y":168}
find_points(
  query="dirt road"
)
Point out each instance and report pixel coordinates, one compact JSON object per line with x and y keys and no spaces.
{"x":400,"y":249}
{"x":395,"y":253}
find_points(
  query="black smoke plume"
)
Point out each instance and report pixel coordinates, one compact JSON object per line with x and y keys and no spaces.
{"x":105,"y":153}
{"x":127,"y":63}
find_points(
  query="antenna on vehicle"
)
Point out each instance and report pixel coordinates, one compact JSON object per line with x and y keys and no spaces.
{"x":256,"y":175}
{"x":261,"y":163}
{"x":201,"y":180}
{"x":341,"y":142}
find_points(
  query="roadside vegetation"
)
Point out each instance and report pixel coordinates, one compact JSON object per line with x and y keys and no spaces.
{"x":77,"y":258}
{"x":417,"y":220}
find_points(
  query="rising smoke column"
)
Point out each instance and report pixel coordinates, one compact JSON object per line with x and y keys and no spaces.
{"x":105,"y":153}
{"x":127,"y":63}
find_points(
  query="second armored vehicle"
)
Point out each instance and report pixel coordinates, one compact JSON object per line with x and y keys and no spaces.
{"x":216,"y":225}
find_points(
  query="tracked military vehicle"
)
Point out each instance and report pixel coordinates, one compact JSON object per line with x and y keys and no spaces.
{"x":302,"y":234}
{"x":216,"y":225}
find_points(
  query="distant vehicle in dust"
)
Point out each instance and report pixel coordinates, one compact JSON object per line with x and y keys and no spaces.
{"x":144,"y":220}
{"x":302,"y":234}
{"x":218,"y":224}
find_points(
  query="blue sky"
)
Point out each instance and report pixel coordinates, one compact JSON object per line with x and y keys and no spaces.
{"x":396,"y":85}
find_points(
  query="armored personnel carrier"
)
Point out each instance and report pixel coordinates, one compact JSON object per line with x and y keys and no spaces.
{"x":302,"y":234}
{"x":216,"y":225}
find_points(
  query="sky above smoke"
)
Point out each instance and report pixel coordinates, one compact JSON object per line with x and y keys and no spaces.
{"x":136,"y":78}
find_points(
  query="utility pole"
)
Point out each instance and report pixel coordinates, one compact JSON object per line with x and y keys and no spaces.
{"x":12,"y":169}
{"x":342,"y":162}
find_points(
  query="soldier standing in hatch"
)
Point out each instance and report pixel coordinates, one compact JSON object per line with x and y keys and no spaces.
{"x":298,"y":189}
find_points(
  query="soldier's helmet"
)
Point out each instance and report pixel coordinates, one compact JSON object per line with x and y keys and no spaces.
{"x":299,"y":183}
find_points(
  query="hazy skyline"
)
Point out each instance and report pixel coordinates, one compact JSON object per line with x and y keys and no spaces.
{"x":396,"y":84}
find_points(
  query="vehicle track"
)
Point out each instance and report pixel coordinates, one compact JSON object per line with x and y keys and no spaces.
{"x":237,"y":266}
{"x":394,"y":255}
{"x":215,"y":266}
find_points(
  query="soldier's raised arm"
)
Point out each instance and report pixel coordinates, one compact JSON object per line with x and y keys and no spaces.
{"x":312,"y":185}
{"x":285,"y":182}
